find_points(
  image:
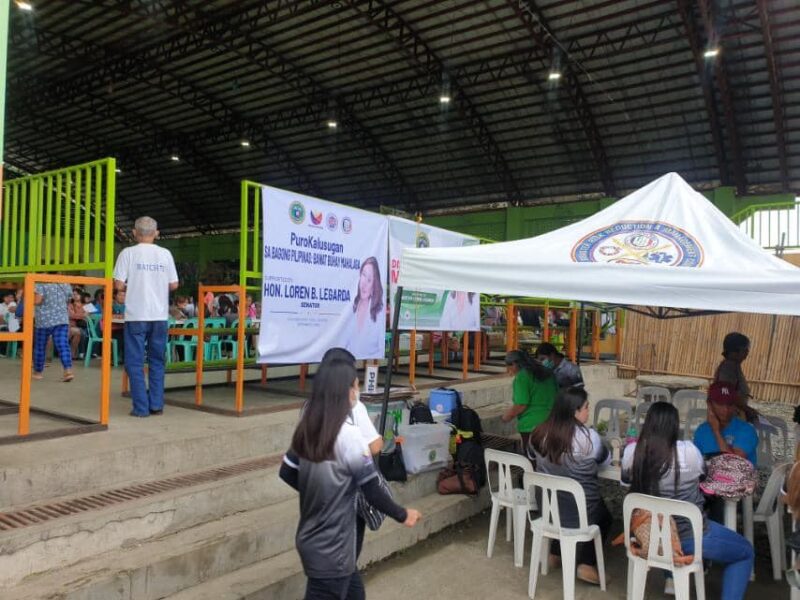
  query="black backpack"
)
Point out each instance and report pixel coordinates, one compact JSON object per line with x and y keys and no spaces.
{"x":420,"y":413}
{"x":469,"y":446}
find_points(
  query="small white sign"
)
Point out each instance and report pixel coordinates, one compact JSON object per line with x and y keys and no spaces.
{"x":371,"y":379}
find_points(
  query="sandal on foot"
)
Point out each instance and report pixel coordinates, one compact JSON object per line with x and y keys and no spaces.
{"x":68,"y":376}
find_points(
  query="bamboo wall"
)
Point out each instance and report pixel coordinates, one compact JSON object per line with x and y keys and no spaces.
{"x":693,"y":346}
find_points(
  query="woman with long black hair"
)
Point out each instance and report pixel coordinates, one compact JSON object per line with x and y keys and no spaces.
{"x":659,"y":464}
{"x":565,"y":447}
{"x":328,"y":461}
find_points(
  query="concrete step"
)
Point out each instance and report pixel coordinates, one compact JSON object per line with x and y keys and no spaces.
{"x":65,"y":541}
{"x":188,"y":558}
{"x":66,"y":467}
{"x":281,"y":577}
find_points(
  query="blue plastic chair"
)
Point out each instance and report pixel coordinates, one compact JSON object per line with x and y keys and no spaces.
{"x":95,"y":337}
{"x":213,"y":346}
{"x":188,"y":343}
{"x":232,"y":341}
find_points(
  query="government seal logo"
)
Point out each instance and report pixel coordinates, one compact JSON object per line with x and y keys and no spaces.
{"x":640,"y":243}
{"x":347,"y":225}
{"x":297,"y":212}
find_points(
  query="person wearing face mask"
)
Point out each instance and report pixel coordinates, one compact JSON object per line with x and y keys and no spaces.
{"x":566,"y":372}
{"x":533,"y":391}
{"x":328,"y":461}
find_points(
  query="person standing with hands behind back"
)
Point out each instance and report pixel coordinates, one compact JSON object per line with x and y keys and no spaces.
{"x":327,"y":462}
{"x":148,"y":273}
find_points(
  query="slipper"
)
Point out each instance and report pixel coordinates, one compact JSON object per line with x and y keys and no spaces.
{"x":68,"y":376}
{"x":37,"y":376}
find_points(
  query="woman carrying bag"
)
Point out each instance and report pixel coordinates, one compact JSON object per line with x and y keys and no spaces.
{"x":327,"y":463}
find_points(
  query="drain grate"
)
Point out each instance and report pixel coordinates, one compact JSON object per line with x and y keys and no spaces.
{"x":42,"y":513}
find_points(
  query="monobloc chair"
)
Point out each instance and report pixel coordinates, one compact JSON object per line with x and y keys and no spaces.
{"x":686,"y":400}
{"x":95,"y":337}
{"x":695,"y":418}
{"x":659,"y":553}
{"x":213,"y":346}
{"x":640,"y":413}
{"x":616,"y":408}
{"x":653,"y":393}
{"x":187,"y":343}
{"x":769,"y":512}
{"x":766,"y":443}
{"x":232,"y":341}
{"x":513,"y":499}
{"x":548,"y":527}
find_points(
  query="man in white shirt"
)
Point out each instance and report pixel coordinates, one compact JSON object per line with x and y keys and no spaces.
{"x":147,"y":272}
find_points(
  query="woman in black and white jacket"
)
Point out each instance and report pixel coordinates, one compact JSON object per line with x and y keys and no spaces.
{"x":328,"y":461}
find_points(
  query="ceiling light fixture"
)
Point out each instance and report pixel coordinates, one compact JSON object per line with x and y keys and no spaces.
{"x":26,"y":6}
{"x":444,"y":99}
{"x":332,"y":124}
{"x":711,"y":53}
{"x":245,"y":144}
{"x":554,"y":76}
{"x":175,"y":158}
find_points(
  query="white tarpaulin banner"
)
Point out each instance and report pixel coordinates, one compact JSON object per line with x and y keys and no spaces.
{"x":428,"y":309}
{"x":663,"y":245}
{"x":324,"y":283}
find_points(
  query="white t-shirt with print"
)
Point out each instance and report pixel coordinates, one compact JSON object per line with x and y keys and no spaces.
{"x":364,"y":423}
{"x":148,"y":270}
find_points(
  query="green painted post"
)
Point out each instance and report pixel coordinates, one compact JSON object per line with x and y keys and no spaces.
{"x":243,"y":236}
{"x":48,"y":222}
{"x":111,"y":186}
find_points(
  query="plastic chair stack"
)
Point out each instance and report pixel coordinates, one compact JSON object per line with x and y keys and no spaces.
{"x":513,"y":499}
{"x":653,"y":393}
{"x":695,"y":418}
{"x":659,"y":553}
{"x":548,"y":527}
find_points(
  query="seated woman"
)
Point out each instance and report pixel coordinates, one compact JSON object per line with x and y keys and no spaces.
{"x":564,"y":446}
{"x":659,"y":464}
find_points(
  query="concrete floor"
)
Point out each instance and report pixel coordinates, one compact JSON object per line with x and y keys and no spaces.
{"x":453,"y":564}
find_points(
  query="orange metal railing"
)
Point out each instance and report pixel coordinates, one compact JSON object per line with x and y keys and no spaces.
{"x":26,"y":337}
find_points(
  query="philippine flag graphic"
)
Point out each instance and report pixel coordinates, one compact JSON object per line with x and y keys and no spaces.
{"x":316,"y":217}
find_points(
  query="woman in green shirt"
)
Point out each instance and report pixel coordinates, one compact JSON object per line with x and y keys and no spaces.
{"x":534,"y":391}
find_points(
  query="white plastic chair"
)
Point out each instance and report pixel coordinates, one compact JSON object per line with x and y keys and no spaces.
{"x":659,"y":554}
{"x":769,"y":512}
{"x":695,"y":418}
{"x":765,"y":441}
{"x":640,"y":413}
{"x":617,"y":408}
{"x":686,"y":400}
{"x":513,"y":499}
{"x":653,"y":393}
{"x":548,"y":527}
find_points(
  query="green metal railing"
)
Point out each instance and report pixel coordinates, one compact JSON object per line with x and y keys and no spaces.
{"x":773,"y":226}
{"x":60,"y":220}
{"x":250,"y":245}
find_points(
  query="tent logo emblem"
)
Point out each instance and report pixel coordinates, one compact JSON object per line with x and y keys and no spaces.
{"x":640,"y":243}
{"x":297,"y":212}
{"x":422,"y":240}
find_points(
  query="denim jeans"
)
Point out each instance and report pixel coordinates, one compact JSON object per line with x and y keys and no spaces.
{"x":722,"y":545}
{"x":150,"y":337}
{"x":342,"y":588}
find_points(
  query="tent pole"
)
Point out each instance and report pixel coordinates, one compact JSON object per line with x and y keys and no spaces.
{"x":579,"y":344}
{"x":390,"y":364}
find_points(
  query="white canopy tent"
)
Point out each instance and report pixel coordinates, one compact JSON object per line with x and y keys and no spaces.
{"x":664,"y":245}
